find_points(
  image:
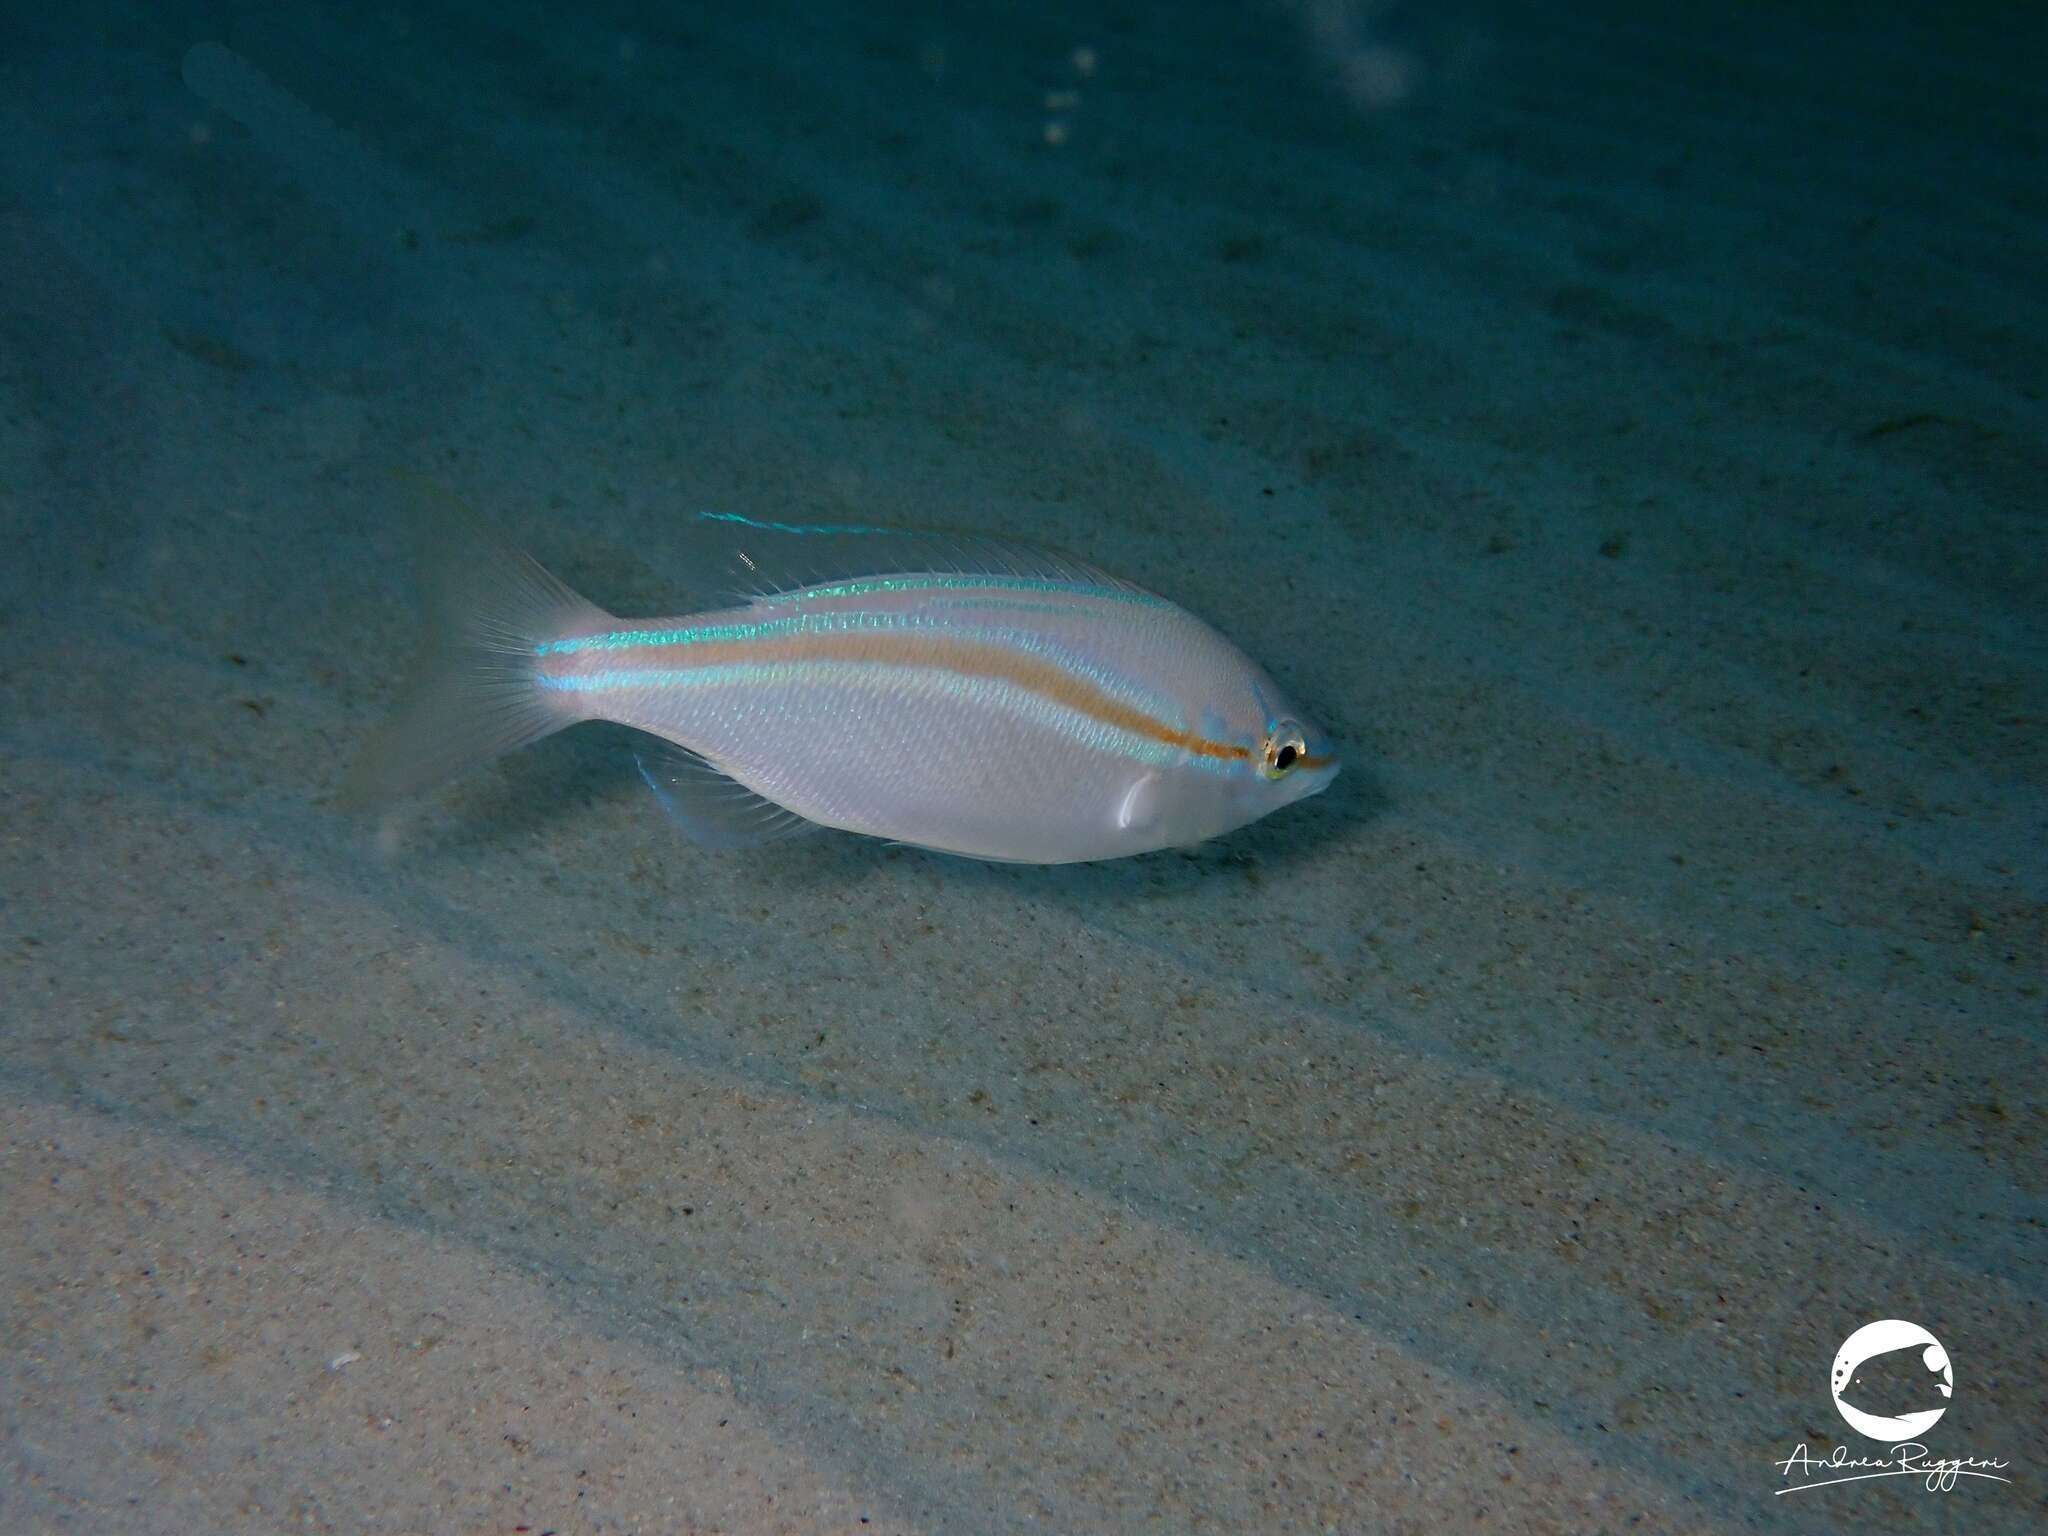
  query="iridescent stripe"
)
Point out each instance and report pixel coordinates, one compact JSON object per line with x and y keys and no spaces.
{"x":805,"y":651}
{"x":721,"y":634}
{"x":625,"y":639}
{"x":883,"y":586}
{"x":833,"y":627}
{"x":1161,"y":751}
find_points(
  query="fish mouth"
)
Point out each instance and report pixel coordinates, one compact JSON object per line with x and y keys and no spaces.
{"x":1314,"y":776}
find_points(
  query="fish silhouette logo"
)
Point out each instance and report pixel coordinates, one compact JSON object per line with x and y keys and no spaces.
{"x":1883,"y":1372}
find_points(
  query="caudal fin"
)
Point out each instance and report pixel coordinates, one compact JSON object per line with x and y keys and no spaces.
{"x":474,"y":691}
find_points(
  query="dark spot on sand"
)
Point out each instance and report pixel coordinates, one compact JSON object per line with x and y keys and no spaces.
{"x":785,"y":216}
{"x":1892,"y":424}
{"x":502,"y":231}
{"x":210,"y":350}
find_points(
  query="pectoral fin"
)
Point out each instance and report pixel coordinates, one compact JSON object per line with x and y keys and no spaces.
{"x":1141,"y":805}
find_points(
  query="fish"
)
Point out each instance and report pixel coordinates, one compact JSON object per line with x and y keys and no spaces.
{"x":963,"y":694}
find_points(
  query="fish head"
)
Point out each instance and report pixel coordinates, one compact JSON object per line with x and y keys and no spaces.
{"x":1257,"y":753}
{"x":1288,"y":759}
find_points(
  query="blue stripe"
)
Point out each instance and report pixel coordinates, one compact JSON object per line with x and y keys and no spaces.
{"x":847,"y":622}
{"x":1081,"y":728}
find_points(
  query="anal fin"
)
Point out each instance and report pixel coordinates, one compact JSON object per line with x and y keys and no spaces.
{"x":713,"y":809}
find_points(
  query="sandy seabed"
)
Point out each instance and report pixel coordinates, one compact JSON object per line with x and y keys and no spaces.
{"x":1625,"y":435}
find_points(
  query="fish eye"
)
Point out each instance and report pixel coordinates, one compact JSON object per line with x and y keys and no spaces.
{"x":1285,"y":746}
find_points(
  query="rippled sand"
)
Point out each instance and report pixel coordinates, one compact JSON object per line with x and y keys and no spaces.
{"x":1626,"y":438}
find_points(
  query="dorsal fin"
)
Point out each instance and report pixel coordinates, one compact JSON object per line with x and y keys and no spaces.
{"x":772,"y":558}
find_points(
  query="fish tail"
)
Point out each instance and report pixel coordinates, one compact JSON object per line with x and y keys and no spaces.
{"x":474,"y":691}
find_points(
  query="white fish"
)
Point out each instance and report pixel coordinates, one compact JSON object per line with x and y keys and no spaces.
{"x":969,"y":696}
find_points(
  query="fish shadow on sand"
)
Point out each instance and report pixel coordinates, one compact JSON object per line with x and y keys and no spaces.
{"x":542,"y":793}
{"x":590,"y":772}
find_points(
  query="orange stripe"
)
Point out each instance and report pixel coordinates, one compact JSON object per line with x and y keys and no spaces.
{"x":988,"y":662}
